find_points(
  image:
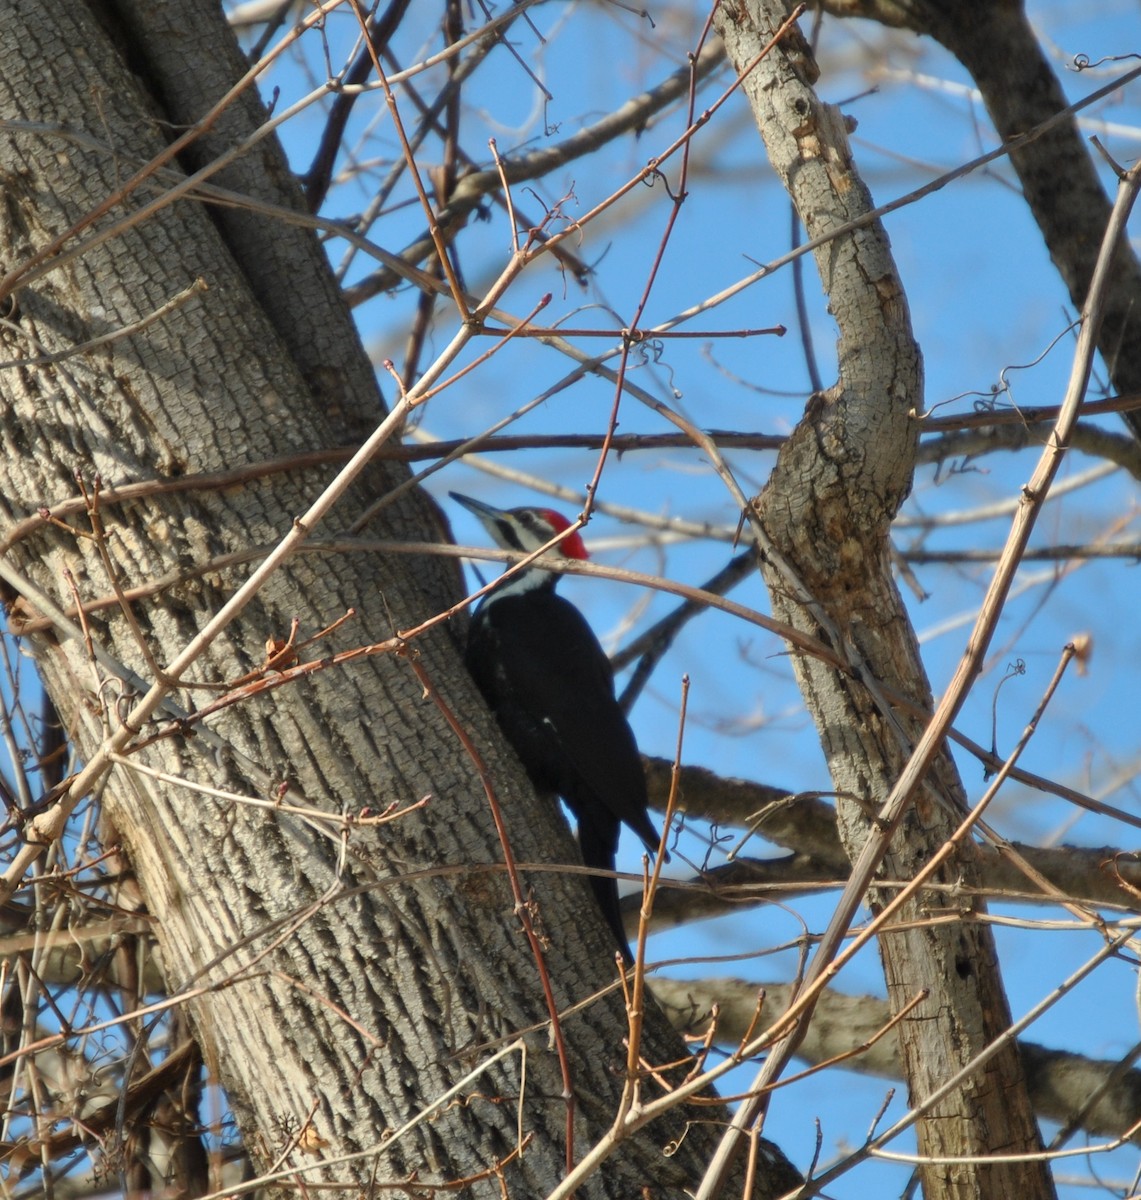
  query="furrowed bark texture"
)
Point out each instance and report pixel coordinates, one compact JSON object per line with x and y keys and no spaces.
{"x":997,"y":45}
{"x":330,"y":1014}
{"x":827,"y":508}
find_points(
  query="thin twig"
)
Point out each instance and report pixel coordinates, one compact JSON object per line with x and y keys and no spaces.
{"x":932,"y":738}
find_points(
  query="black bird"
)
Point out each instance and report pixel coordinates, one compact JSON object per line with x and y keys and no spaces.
{"x":550,"y":685}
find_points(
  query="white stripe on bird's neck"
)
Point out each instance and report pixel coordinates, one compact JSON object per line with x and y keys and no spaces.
{"x":531,"y":579}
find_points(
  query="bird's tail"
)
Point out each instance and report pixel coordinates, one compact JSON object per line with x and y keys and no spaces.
{"x":599,"y":843}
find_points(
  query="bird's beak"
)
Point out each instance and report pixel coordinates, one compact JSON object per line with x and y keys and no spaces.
{"x":487,"y":513}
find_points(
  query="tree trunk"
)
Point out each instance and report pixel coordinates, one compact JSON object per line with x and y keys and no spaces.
{"x":341,"y":978}
{"x":826,"y":511}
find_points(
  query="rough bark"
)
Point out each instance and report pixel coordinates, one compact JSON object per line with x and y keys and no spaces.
{"x":340,"y":981}
{"x":826,"y":510}
{"x":184,"y":68}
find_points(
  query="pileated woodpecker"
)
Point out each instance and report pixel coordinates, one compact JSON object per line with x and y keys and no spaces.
{"x":550,"y":685}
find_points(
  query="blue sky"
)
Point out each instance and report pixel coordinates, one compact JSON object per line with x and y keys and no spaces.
{"x":988,"y":310}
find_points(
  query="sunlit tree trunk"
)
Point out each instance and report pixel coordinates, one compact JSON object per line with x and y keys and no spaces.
{"x":341,"y":979}
{"x":826,"y":513}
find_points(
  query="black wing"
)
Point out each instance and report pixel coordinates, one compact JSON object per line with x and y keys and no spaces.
{"x":549,"y":682}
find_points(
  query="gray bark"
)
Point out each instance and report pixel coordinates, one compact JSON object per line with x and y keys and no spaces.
{"x":826,"y":510}
{"x":337,"y":984}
